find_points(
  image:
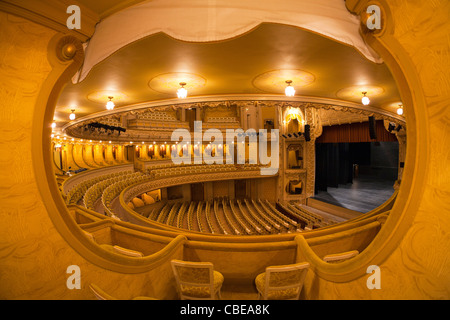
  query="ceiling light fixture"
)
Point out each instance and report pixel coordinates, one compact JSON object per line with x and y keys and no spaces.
{"x":72,"y":115}
{"x":365,"y":100}
{"x":289,"y":91}
{"x":110,"y":105}
{"x":53,"y":125}
{"x":182,"y":92}
{"x":400,"y":110}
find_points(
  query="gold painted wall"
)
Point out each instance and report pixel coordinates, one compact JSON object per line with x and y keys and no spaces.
{"x":98,"y":155}
{"x":34,"y":257}
{"x":77,"y":153}
{"x":420,"y":267}
{"x":119,"y":154}
{"x":70,"y":159}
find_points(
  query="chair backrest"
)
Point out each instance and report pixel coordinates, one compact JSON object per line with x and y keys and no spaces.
{"x":195,"y":279}
{"x":338,"y":257}
{"x":285,"y":280}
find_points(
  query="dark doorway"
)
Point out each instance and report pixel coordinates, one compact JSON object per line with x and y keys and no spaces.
{"x":129,"y":153}
{"x":190,"y":118}
{"x":240,"y":189}
{"x":197,"y":192}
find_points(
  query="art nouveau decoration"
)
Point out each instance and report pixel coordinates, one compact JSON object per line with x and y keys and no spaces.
{"x":173,"y":83}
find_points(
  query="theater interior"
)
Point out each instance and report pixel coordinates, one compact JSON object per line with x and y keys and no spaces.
{"x":167,"y":150}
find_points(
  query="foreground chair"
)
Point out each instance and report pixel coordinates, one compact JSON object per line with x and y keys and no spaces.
{"x":197,"y":280}
{"x":283,"y":282}
{"x":338,"y":257}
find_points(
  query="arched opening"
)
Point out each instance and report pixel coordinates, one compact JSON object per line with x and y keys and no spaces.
{"x":58,"y":211}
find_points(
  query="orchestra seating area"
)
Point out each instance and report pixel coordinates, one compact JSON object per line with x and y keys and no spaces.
{"x":148,"y":229}
{"x":217,"y":216}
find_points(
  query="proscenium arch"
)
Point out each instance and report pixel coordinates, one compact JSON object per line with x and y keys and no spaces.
{"x":65,"y":55}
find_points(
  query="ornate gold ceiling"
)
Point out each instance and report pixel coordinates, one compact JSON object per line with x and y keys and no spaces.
{"x":256,"y":63}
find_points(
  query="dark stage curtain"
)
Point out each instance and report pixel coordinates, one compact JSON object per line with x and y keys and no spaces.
{"x":334,"y":165}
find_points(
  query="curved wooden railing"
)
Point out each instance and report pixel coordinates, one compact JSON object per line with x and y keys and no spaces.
{"x":238,"y":258}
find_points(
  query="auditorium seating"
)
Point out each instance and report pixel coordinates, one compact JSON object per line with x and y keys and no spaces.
{"x":224,"y":216}
{"x":204,"y":223}
{"x":77,"y":192}
{"x":217,"y":216}
{"x":168,"y":170}
{"x":235,"y":226}
{"x":242,"y":253}
{"x":275,"y":213}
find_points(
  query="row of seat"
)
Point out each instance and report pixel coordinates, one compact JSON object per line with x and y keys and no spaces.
{"x":112,"y":191}
{"x":223,"y":216}
{"x":221,"y":219}
{"x":222,"y":119}
{"x":197,"y":169}
{"x":305,"y":221}
{"x":269,"y":207}
{"x":320,"y":220}
{"x":311,"y":219}
{"x":157,"y":125}
{"x":96,"y":191}
{"x":77,"y":192}
{"x":158,"y":116}
{"x":237,"y":217}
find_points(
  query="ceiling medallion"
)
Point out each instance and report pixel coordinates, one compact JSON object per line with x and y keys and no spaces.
{"x":182,"y":92}
{"x":289,"y":90}
{"x":356,"y":93}
{"x":365,"y":99}
{"x":169,"y":83}
{"x":72,"y":115}
{"x":103,"y":96}
{"x":275,"y":81}
{"x":396,"y":107}
{"x":110,"y":104}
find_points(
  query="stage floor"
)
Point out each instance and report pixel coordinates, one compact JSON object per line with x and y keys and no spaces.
{"x":366,"y":193}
